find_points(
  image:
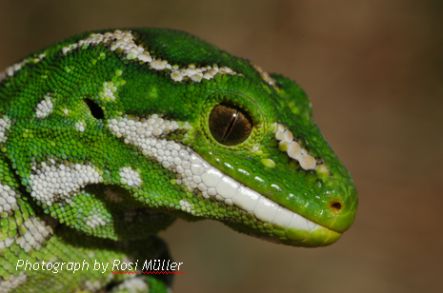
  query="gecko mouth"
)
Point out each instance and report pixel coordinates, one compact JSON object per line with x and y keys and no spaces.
{"x":213,"y":183}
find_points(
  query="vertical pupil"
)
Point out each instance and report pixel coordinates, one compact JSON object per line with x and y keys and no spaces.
{"x":229,"y":125}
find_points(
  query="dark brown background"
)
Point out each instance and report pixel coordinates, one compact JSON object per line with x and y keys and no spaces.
{"x":373,"y":69}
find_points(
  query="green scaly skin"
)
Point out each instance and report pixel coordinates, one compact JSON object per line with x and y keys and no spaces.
{"x":112,"y":218}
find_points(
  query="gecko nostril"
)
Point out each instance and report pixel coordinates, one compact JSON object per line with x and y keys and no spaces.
{"x":336,"y":206}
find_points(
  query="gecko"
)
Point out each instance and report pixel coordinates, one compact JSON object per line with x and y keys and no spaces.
{"x":109,"y":136}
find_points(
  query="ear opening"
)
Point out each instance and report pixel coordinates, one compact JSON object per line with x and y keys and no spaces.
{"x":96,"y":110}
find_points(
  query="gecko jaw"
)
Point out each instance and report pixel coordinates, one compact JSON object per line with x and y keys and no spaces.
{"x":192,"y":171}
{"x":226,"y":189}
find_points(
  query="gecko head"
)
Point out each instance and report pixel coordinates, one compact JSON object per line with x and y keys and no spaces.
{"x":268,"y":159}
{"x":238,"y":145}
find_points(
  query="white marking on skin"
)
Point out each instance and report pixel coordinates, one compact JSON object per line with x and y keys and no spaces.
{"x":13,"y":69}
{"x":322,"y":170}
{"x":259,"y":179}
{"x":5,"y":244}
{"x":37,"y":231}
{"x":123,"y":41}
{"x":228,"y":165}
{"x":50,"y":181}
{"x":7,"y":199}
{"x":95,"y":220}
{"x":44,"y":108}
{"x":288,"y":144}
{"x":255,"y":148}
{"x":38,"y":58}
{"x":12,"y":282}
{"x":265,"y":76}
{"x":5,"y":123}
{"x":92,"y":285}
{"x":130,"y":177}
{"x":186,"y":206}
{"x":109,"y":91}
{"x":243,"y":172}
{"x":154,"y":126}
{"x":195,"y":173}
{"x":133,"y":285}
{"x":80,"y":126}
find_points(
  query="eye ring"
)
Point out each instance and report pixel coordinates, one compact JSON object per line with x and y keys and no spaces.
{"x":229,"y":125}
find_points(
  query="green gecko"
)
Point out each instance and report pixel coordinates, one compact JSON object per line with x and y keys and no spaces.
{"x":108,"y":137}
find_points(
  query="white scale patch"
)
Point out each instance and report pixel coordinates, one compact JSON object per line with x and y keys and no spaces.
{"x":10,"y":71}
{"x":12,"y":283}
{"x":196,"y":173}
{"x":5,"y":123}
{"x":109,"y":91}
{"x":6,"y":243}
{"x":133,"y":285}
{"x":50,"y":180}
{"x":92,"y":285}
{"x":293,"y":148}
{"x":80,"y":126}
{"x":123,"y":41}
{"x":36,"y":234}
{"x":130,"y":177}
{"x":7,"y":199}
{"x":186,"y":206}
{"x":95,"y":220}
{"x":44,"y":108}
{"x":265,"y":76}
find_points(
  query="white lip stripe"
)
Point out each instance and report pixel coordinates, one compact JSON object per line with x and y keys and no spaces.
{"x":195,"y":173}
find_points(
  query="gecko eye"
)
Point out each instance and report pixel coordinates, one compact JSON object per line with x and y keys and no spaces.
{"x":229,"y":125}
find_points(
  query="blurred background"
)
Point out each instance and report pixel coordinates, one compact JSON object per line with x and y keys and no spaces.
{"x":374,"y":72}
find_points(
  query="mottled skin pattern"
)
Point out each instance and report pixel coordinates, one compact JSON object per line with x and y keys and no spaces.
{"x":326,"y":198}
